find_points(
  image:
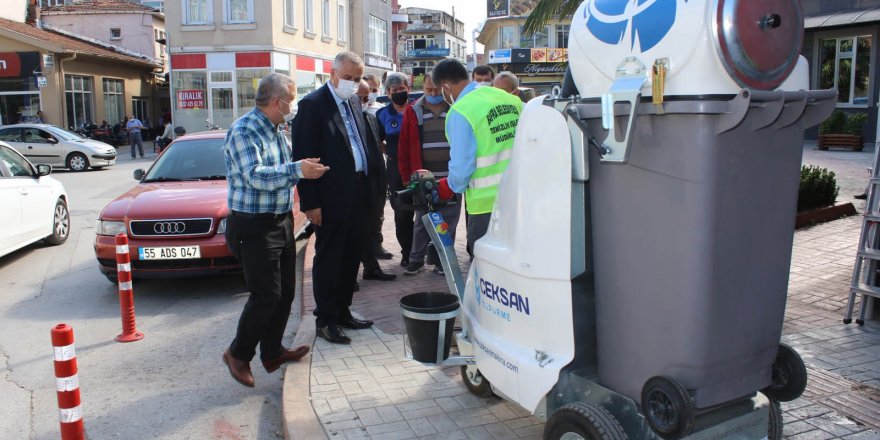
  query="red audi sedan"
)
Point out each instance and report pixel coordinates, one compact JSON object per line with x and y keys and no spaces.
{"x":175,"y":217}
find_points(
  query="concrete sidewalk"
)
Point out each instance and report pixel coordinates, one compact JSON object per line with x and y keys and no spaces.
{"x":368,"y":389}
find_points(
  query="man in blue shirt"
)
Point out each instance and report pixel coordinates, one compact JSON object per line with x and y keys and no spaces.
{"x":134,"y":126}
{"x":259,"y":231}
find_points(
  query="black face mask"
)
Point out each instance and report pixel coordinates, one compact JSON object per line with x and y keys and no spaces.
{"x":400,"y":98}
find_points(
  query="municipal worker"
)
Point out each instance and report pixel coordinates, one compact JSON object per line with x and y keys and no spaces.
{"x":480,"y":126}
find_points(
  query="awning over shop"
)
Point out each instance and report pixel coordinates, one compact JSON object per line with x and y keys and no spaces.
{"x":843,"y":18}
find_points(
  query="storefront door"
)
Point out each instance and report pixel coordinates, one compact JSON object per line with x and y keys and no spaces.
{"x":18,"y":107}
{"x":222,"y":106}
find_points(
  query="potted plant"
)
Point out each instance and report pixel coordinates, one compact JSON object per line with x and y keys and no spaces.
{"x":842,"y":130}
{"x":816,"y":197}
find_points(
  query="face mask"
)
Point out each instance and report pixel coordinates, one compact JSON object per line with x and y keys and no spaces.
{"x":372,"y":98}
{"x":434,"y":100}
{"x":443,"y":95}
{"x":484,"y":84}
{"x":400,"y":98}
{"x":346,"y":88}
{"x":288,"y":116}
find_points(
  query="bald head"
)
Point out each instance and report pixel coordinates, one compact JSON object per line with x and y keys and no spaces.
{"x":506,"y":81}
{"x":364,"y":92}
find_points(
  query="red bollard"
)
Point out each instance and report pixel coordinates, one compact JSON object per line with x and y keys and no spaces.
{"x":67,"y":383}
{"x":126,"y":293}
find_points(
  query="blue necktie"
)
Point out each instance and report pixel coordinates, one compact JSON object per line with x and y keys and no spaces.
{"x":357,"y":137}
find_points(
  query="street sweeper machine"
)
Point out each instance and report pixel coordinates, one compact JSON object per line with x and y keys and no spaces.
{"x":633,"y":280}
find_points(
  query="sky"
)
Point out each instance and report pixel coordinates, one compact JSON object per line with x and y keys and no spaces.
{"x":471,"y":12}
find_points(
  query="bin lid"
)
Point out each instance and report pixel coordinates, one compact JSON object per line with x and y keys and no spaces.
{"x":758,"y":41}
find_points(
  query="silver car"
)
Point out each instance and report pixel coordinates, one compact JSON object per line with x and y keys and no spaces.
{"x":44,"y":143}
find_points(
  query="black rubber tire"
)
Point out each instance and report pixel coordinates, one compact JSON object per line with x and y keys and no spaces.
{"x":77,"y":162}
{"x":479,"y":386}
{"x":112,"y":278}
{"x":789,"y":375}
{"x":60,"y":224}
{"x":774,"y":428}
{"x":588,"y":421}
{"x":568,"y":87}
{"x":667,"y":407}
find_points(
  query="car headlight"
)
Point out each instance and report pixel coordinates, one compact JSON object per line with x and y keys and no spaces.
{"x":221,"y":228}
{"x":105,"y":227}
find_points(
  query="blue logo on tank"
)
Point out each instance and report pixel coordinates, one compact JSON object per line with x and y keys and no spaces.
{"x":648,"y":21}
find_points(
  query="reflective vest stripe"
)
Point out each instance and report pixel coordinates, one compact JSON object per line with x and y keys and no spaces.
{"x":485,"y":182}
{"x":502,"y":155}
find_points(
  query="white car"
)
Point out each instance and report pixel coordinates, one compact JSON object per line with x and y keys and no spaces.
{"x":44,"y":143}
{"x":34,"y":205}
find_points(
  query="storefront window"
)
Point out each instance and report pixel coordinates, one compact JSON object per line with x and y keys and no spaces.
{"x":190,"y":99}
{"x":139,"y":108}
{"x":80,"y":100}
{"x":506,"y":37}
{"x":114,"y":104}
{"x":305,"y":84}
{"x":247,"y":81}
{"x":845,"y":63}
{"x":19,"y":107}
{"x":538,"y":39}
{"x":26,"y":84}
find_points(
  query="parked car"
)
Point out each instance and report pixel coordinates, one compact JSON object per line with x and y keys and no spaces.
{"x":58,"y":147}
{"x":175,"y":217}
{"x":34,"y":205}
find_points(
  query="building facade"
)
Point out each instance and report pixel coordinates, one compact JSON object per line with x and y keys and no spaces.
{"x":429,"y":37}
{"x":399,"y":20}
{"x":220,"y":49}
{"x":538,"y":60}
{"x":371,"y":34}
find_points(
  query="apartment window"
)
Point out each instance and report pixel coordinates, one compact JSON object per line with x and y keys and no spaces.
{"x":506,"y":36}
{"x":78,"y":93}
{"x":114,"y":100}
{"x":537,"y":39}
{"x":845,"y":63}
{"x":562,"y":31}
{"x":289,"y":13}
{"x":155,"y":4}
{"x":239,"y":11}
{"x":340,"y":22}
{"x":310,"y":15}
{"x":139,"y":108}
{"x":378,"y":36}
{"x":115,"y":34}
{"x":45,"y":3}
{"x":197,"y":12}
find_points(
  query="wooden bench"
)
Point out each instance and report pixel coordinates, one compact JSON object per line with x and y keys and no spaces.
{"x":840,"y":140}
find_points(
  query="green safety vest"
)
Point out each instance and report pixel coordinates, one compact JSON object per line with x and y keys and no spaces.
{"x":493,"y":115}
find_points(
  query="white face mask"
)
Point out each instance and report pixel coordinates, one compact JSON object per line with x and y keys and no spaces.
{"x":346,"y":88}
{"x":484,"y":84}
{"x":443,"y":94}
{"x":289,"y":116}
{"x":372,"y":98}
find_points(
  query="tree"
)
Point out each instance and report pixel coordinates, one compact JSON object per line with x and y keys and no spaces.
{"x":546,"y":10}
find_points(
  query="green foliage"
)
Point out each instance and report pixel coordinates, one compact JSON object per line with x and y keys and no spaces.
{"x":844,"y":123}
{"x":818,"y":188}
{"x":419,"y":82}
{"x":546,"y":10}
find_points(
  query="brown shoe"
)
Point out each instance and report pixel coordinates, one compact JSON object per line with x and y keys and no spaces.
{"x":240,"y":370}
{"x":287,"y":355}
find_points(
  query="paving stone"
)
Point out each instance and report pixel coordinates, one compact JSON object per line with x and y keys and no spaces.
{"x":369,"y":416}
{"x":421,"y":426}
{"x":387,"y":428}
{"x":442,"y":423}
{"x":389,"y":413}
{"x":816,"y":434}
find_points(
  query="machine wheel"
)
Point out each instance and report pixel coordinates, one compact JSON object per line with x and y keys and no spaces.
{"x":60,"y":224}
{"x":568,"y":87}
{"x":77,"y":162}
{"x":789,"y":375}
{"x":478,"y":385}
{"x":112,"y":278}
{"x":578,"y":421}
{"x":667,"y":407}
{"x":774,"y":428}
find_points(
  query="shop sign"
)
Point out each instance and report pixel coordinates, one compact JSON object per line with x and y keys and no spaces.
{"x":380,"y":62}
{"x":19,"y":64}
{"x":538,"y":69}
{"x":41,"y":81}
{"x":190,"y":99}
{"x":498,"y":8}
{"x":427,"y":53}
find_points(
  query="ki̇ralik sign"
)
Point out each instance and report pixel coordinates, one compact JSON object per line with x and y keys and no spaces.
{"x":190,"y":99}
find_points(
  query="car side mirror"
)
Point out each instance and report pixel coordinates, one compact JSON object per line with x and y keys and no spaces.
{"x":52,"y":140}
{"x":43,"y":169}
{"x":139,"y":174}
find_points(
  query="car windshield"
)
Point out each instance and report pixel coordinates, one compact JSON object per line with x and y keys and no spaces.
{"x":193,"y":159}
{"x":64,"y":134}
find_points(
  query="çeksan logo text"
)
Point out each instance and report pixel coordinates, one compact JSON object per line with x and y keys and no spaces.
{"x":509,"y":300}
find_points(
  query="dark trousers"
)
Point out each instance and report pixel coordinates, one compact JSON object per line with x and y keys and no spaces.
{"x":267,"y":252}
{"x":338,"y":248}
{"x":373,"y":235}
{"x":403,"y":219}
{"x":477,"y":226}
{"x":136,"y":139}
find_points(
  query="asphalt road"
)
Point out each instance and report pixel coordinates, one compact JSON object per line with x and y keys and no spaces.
{"x":170,"y":385}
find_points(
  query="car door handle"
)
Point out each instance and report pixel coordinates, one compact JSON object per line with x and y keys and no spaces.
{"x":30,"y":147}
{"x":24,"y":192}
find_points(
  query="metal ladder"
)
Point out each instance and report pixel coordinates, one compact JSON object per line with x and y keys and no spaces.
{"x":868,"y":252}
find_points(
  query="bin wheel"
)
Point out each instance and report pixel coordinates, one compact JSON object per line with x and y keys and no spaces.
{"x":774,"y":428}
{"x":578,"y":421}
{"x":789,"y":375}
{"x":477,"y":385}
{"x":667,"y":407}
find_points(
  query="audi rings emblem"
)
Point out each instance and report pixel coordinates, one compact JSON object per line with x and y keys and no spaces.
{"x":169,"y":227}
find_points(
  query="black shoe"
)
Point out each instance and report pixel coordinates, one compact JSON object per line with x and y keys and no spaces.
{"x":354,"y":323}
{"x":413,"y":268}
{"x":333,"y":334}
{"x":381,"y":254}
{"x":861,"y":196}
{"x":356,"y":288}
{"x":379,"y":275}
{"x":404,"y":262}
{"x":438,"y":269}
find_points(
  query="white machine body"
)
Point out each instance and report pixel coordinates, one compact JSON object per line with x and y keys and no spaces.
{"x":517,"y":300}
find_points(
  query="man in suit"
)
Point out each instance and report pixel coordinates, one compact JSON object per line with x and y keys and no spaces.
{"x":330,"y":125}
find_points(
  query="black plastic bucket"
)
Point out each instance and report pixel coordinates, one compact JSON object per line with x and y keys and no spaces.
{"x":429,"y":318}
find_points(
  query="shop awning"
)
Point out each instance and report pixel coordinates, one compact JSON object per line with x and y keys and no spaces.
{"x":843,"y":18}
